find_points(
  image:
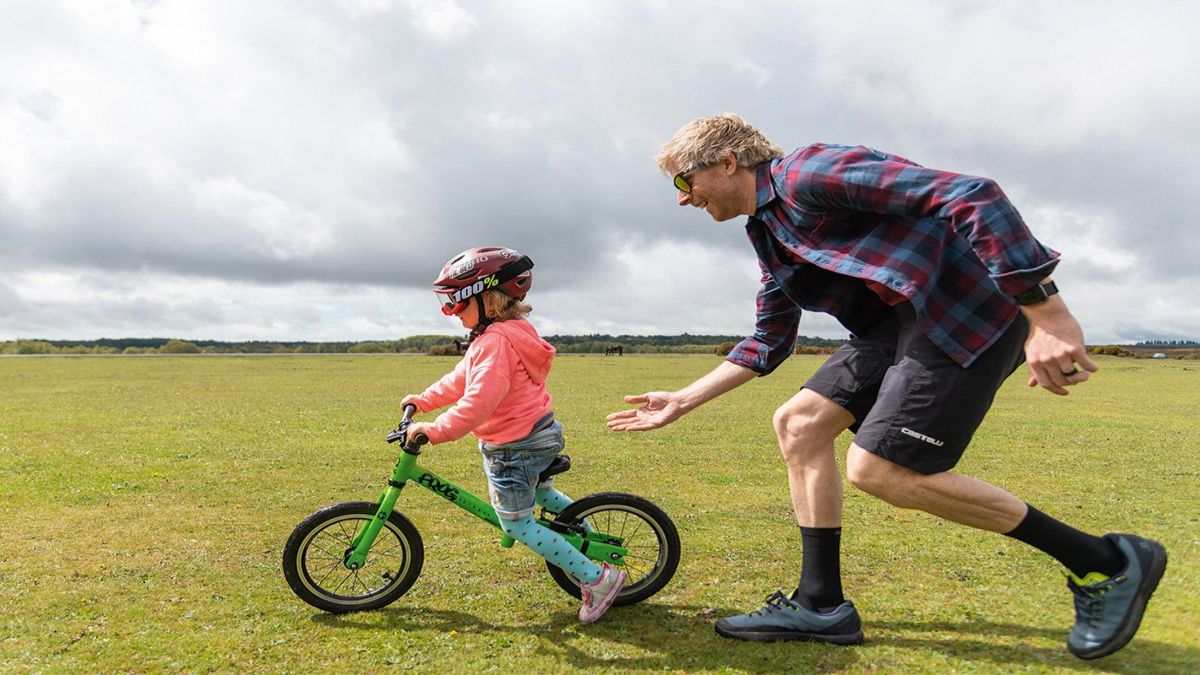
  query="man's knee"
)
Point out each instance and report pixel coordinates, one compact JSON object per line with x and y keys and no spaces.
{"x":808,"y":422}
{"x":878,"y":477}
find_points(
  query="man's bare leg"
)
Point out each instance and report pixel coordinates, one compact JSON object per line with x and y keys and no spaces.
{"x":806,"y":427}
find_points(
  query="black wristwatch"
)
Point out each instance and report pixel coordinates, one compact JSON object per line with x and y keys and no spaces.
{"x":1039,"y":293}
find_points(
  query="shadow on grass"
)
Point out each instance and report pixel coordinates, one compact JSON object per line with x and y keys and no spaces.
{"x":1139,"y":656}
{"x":681,"y":637}
{"x":673,"y":637}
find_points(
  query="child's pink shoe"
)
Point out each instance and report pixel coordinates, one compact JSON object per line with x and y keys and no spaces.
{"x":598,"y":597}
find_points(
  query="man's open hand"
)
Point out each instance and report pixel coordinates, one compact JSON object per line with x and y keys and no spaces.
{"x":660,"y":409}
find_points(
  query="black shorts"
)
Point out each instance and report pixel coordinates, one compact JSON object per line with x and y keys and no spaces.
{"x":912,"y":404}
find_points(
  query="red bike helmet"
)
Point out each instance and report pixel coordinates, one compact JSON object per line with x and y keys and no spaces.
{"x":476,"y":270}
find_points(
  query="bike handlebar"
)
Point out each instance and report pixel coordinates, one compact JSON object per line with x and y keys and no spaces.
{"x":401,"y":432}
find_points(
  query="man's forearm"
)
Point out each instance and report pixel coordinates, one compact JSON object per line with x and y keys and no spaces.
{"x":723,"y":378}
{"x":1051,"y":311}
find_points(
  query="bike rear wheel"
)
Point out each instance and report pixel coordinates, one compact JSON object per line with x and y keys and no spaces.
{"x":313,"y":559}
{"x":648,"y":533}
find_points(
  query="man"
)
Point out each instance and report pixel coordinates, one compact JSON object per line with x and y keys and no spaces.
{"x":945,"y":292}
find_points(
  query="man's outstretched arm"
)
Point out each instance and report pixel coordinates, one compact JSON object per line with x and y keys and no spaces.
{"x":663,"y":407}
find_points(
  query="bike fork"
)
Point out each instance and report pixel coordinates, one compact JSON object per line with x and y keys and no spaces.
{"x":356,"y":554}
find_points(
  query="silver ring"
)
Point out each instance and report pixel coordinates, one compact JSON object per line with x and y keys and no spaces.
{"x":1071,"y":372}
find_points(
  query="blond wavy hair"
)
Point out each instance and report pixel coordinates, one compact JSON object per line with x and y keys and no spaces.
{"x":705,"y":140}
{"x":504,"y":306}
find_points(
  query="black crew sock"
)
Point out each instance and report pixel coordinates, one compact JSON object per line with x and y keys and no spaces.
{"x":820,"y":586}
{"x":1078,"y":551}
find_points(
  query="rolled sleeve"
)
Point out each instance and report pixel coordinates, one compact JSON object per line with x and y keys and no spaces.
{"x":774,"y":338}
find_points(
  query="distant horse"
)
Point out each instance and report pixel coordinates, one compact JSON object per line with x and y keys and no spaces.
{"x":460,"y":347}
{"x":614,"y":349}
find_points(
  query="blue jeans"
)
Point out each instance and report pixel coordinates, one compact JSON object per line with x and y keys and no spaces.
{"x":512,"y":469}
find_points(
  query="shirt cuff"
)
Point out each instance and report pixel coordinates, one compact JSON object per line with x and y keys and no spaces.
{"x":749,"y":357}
{"x":1015,"y":283}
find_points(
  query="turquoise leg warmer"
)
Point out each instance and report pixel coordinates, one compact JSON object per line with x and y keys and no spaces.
{"x":554,"y":501}
{"x":553,"y":548}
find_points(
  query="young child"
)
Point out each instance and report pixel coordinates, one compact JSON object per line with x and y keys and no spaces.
{"x":498,"y":391}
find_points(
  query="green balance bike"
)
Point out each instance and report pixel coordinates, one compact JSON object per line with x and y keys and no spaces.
{"x":358,"y":556}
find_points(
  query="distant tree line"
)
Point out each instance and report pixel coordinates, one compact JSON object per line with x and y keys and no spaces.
{"x":443,"y":345}
{"x":1142,"y":351}
{"x":417,"y":344}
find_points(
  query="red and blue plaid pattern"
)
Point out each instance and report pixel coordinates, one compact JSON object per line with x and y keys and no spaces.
{"x":831,"y":217}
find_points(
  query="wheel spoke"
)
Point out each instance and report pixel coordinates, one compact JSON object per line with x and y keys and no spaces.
{"x":362,"y":583}
{"x":388,"y":555}
{"x":629,"y":527}
{"x":636,"y":528}
{"x":349,"y":575}
{"x":328,"y":572}
{"x":324,"y":560}
{"x":331,"y":554}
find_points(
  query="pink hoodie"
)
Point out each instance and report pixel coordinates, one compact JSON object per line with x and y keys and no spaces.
{"x":499,"y":386}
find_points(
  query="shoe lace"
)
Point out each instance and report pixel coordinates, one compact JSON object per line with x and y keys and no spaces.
{"x":775,"y":602}
{"x":1089,"y":601}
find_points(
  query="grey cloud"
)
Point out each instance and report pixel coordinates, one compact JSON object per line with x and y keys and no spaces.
{"x":11,"y":304}
{"x":393,"y":144}
{"x":1132,"y":332}
{"x":126,"y":317}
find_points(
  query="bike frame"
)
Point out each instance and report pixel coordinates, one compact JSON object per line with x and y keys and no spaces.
{"x":595,"y":545}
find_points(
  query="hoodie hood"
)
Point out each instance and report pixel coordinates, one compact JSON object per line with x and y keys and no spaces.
{"x":536,"y":354}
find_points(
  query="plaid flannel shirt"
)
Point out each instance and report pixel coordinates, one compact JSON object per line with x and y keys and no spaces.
{"x":831,"y":217}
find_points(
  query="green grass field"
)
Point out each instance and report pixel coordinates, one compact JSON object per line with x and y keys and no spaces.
{"x":146,"y":501}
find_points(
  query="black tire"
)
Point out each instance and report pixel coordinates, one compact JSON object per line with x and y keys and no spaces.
{"x":312,"y":559}
{"x":650,"y":536}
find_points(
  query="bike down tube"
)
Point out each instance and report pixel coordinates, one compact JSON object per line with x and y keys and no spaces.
{"x":452,"y":493}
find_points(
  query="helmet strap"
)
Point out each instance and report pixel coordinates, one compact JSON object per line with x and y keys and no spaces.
{"x":484,"y":320}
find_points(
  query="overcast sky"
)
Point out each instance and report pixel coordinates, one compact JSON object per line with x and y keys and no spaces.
{"x":301,"y":170}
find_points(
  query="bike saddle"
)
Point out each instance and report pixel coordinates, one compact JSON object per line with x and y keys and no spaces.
{"x":560,"y":464}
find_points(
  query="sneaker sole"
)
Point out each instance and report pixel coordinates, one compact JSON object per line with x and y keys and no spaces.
{"x":790,"y":636}
{"x":1158,"y":565}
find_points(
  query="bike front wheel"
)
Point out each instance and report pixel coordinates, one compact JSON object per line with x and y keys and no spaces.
{"x":647,"y":533}
{"x":315,"y":554}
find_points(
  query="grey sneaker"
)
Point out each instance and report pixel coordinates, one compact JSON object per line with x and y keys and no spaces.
{"x":784,"y":619}
{"x":1108,"y":611}
{"x":598,"y":597}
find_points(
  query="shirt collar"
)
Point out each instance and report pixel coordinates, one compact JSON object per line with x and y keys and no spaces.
{"x":763,"y":185}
